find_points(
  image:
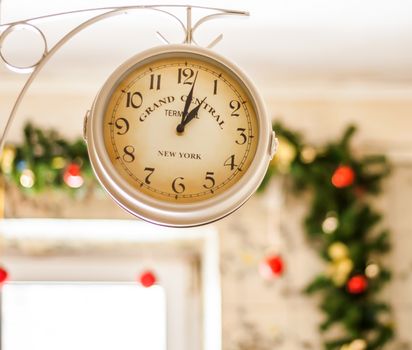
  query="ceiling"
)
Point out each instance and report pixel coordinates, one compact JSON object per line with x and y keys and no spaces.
{"x":295,"y":42}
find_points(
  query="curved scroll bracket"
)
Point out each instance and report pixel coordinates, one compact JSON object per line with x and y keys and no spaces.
{"x":105,"y":12}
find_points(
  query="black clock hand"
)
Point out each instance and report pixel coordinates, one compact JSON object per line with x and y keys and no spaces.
{"x":188,"y":101}
{"x":192,"y":114}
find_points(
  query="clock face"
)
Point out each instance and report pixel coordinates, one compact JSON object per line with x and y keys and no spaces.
{"x":180,"y":128}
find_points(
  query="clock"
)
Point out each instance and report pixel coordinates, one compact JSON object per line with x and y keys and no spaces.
{"x":179,"y":136}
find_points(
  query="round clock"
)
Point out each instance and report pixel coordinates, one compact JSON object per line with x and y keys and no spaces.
{"x":179,"y":136}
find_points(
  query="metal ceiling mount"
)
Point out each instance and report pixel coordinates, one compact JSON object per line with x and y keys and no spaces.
{"x":189,"y":28}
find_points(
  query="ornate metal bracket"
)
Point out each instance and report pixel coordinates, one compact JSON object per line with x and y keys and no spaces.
{"x":189,"y":30}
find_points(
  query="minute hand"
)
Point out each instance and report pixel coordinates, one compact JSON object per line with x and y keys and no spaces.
{"x":193,"y":113}
{"x":188,"y":100}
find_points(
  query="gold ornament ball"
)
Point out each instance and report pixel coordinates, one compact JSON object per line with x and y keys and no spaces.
{"x":338,"y":279}
{"x":358,"y":344}
{"x":308,"y":154}
{"x":58,"y":162}
{"x":285,"y":155}
{"x":372,"y":270}
{"x":340,"y":270}
{"x":345,"y":266}
{"x":338,"y":251}
{"x":7,"y":159}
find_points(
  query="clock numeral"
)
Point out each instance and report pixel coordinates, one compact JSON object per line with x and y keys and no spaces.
{"x":178,"y":187}
{"x":242,"y":135}
{"x":230,"y":162}
{"x":147,"y":179}
{"x":123,"y":125}
{"x":186,"y":75}
{"x":235,"y":106}
{"x":155,"y":81}
{"x":128,"y":155}
{"x":134,"y":100}
{"x":209,"y":177}
{"x":215,"y":87}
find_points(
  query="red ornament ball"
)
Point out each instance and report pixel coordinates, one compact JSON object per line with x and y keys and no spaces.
{"x":272,"y":266}
{"x":72,"y":176}
{"x":4,"y":275}
{"x":147,"y":279}
{"x":343,"y":176}
{"x":73,"y":169}
{"x":357,"y":284}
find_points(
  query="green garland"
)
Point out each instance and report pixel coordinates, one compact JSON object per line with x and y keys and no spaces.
{"x":344,"y":228}
{"x":46,"y":161}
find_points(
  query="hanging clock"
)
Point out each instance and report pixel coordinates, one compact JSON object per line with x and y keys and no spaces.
{"x":179,"y":136}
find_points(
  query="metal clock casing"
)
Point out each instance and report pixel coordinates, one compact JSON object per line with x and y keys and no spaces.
{"x":168,"y":213}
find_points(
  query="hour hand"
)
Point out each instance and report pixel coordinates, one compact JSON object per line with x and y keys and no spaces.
{"x":192,"y":114}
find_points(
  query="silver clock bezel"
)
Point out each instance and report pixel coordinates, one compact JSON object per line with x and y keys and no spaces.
{"x":167,"y":213}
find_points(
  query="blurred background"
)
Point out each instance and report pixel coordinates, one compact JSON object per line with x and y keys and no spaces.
{"x":78,"y":267}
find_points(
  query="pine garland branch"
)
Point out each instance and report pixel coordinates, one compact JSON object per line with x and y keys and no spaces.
{"x":345,"y":227}
{"x":45,"y":161}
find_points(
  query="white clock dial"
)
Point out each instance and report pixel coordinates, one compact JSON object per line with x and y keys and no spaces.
{"x":180,"y":129}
